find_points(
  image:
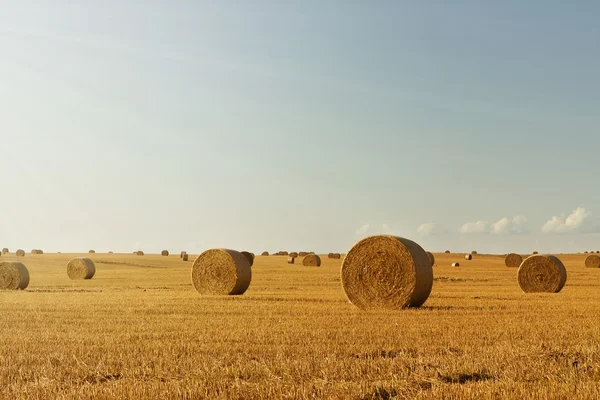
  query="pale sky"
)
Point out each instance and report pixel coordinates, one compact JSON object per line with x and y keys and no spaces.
{"x":269,"y":125}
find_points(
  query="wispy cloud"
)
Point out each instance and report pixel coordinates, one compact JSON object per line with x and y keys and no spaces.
{"x":475,"y":227}
{"x":504,"y":226}
{"x":571,"y":223}
{"x":363,"y":229}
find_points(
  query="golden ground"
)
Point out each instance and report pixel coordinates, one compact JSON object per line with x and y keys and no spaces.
{"x":138,"y":330}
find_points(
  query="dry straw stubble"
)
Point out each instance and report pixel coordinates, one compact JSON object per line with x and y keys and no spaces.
{"x":13,"y":276}
{"x":592,"y":261}
{"x":311,"y":260}
{"x":513,"y":260}
{"x":221,"y":272}
{"x":542,"y":273}
{"x":387,"y":272}
{"x":81,"y":268}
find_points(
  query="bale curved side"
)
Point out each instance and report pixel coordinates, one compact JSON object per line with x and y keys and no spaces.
{"x":431,"y":258}
{"x":542,"y":274}
{"x":311,"y":260}
{"x":387,"y":272}
{"x":81,"y":268}
{"x":592,"y":261}
{"x":13,"y":276}
{"x":221,"y":272}
{"x":513,"y":260}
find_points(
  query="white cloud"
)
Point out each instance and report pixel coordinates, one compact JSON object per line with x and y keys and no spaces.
{"x":571,"y":223}
{"x":475,"y":227}
{"x":506,"y":225}
{"x":426,"y":229}
{"x":385,"y":227}
{"x":363,"y":229}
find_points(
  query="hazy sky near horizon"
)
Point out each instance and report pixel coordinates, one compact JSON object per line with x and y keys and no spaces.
{"x":270,"y":125}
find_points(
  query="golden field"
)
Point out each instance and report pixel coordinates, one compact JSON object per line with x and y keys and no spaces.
{"x":138,"y":330}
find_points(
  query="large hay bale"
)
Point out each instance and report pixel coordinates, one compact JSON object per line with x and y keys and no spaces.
{"x":311,"y":260}
{"x":139,"y":253}
{"x":431,"y":257}
{"x":20,"y":253}
{"x":221,"y":272}
{"x":513,"y":260}
{"x":265,"y":253}
{"x":592,"y":261}
{"x":291,"y":260}
{"x":185,"y":257}
{"x":387,"y":272}
{"x":5,"y":251}
{"x":542,"y":273}
{"x":13,"y":276}
{"x":293,"y":254}
{"x":164,"y":253}
{"x":249,"y":257}
{"x":93,"y":252}
{"x":468,"y":257}
{"x":81,"y":268}
{"x":303,"y":254}
{"x":456,"y":264}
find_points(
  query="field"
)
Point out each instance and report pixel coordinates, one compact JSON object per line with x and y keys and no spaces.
{"x":138,"y":330}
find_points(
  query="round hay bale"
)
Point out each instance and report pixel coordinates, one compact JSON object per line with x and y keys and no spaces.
{"x":336,"y":256}
{"x":37,"y":251}
{"x":474,"y":252}
{"x":5,"y":251}
{"x":249,"y":257}
{"x":139,"y":253}
{"x":542,"y":273}
{"x":81,"y":268}
{"x":110,"y":252}
{"x":330,"y":255}
{"x":13,"y":276}
{"x":181,"y":254}
{"x":447,"y":252}
{"x":585,"y":252}
{"x":468,"y":257}
{"x":293,"y":254}
{"x":291,"y":260}
{"x":303,"y":254}
{"x":185,"y":257}
{"x":456,"y":264}
{"x":535,"y":252}
{"x":20,"y":253}
{"x":164,"y":253}
{"x":387,"y":272}
{"x":513,"y":260}
{"x":265,"y":253}
{"x":311,"y":260}
{"x":93,"y":252}
{"x":431,"y":258}
{"x":284,"y":253}
{"x":221,"y":272}
{"x":592,"y":261}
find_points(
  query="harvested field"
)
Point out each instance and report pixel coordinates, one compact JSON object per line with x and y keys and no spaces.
{"x":477,"y":335}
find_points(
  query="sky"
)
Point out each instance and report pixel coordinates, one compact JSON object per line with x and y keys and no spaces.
{"x":264,"y":125}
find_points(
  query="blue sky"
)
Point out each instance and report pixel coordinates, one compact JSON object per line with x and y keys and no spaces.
{"x":272,"y":125}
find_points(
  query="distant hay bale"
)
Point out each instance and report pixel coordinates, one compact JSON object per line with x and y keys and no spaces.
{"x":474,"y":252}
{"x":447,"y":252}
{"x":93,"y":252}
{"x":181,"y":254}
{"x":330,"y":255}
{"x":164,"y":253}
{"x":221,"y":272}
{"x":431,"y":257}
{"x":542,"y":273}
{"x":303,"y":254}
{"x":249,"y":257}
{"x":185,"y":257}
{"x":110,"y":252}
{"x":592,"y":261}
{"x":139,"y":253}
{"x":37,"y":251}
{"x":311,"y":260}
{"x":265,"y":253}
{"x":513,"y":260}
{"x":293,"y":254}
{"x":20,"y":253}
{"x":468,"y":257}
{"x":585,"y":252}
{"x":456,"y":264}
{"x":291,"y":260}
{"x":386,"y":272}
{"x":5,"y":251}
{"x":284,"y":253}
{"x":81,"y":268}
{"x":13,"y":276}
{"x":336,"y":256}
{"x":535,"y":252}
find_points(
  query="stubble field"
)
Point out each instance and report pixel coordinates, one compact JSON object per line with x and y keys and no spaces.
{"x":138,"y":330}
